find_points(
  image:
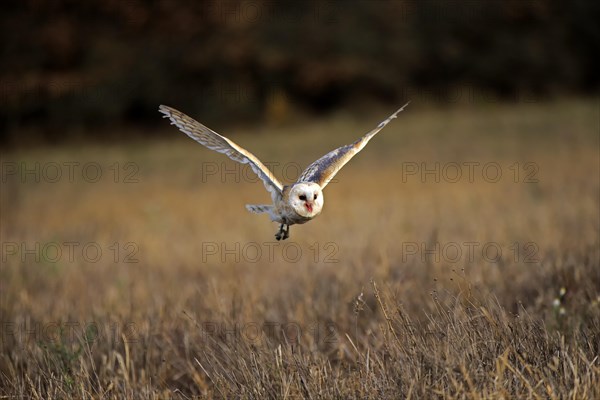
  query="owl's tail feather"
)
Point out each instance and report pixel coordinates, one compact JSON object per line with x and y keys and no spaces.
{"x":264,"y":208}
{"x":259,"y":209}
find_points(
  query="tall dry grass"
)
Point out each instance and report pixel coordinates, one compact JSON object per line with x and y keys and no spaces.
{"x":388,"y":294}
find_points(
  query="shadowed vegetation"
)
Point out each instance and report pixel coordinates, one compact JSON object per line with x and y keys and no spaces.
{"x":74,"y":68}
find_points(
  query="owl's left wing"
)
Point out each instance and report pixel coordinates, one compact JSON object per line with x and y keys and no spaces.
{"x":221,"y":144}
{"x":324,"y":169}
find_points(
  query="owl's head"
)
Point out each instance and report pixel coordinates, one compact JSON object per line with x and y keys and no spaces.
{"x":306,"y":198}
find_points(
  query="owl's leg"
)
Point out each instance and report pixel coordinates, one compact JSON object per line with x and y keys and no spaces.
{"x":280,"y":233}
{"x":286,"y":233}
{"x":283,"y":234}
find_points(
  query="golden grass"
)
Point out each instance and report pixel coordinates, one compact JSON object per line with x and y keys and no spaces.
{"x":370,"y":300}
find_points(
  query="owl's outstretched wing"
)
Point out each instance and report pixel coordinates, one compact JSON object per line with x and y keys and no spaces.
{"x":221,"y":144}
{"x":324,"y":169}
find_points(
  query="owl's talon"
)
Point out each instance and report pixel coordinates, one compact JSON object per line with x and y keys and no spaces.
{"x":281,"y":234}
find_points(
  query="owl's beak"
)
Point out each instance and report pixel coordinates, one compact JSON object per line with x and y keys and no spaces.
{"x":308,"y":206}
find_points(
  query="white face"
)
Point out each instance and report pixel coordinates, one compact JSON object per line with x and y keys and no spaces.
{"x":306,"y":199}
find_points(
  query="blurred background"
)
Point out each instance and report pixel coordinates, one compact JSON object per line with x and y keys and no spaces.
{"x":457,"y":256}
{"x":78,"y":69}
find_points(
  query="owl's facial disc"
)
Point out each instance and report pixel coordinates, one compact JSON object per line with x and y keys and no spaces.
{"x":307,"y":199}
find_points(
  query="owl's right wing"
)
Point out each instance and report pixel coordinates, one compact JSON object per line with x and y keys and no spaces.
{"x":324,"y":169}
{"x":221,"y":144}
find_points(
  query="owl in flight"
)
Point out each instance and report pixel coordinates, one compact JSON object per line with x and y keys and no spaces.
{"x":292,"y":204}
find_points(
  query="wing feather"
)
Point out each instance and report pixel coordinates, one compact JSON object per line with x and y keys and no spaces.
{"x":221,"y":144}
{"x":324,"y":169}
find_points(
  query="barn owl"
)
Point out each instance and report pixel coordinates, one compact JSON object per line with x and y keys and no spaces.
{"x":297,"y":203}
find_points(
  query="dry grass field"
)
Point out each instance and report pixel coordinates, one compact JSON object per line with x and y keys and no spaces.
{"x":456,"y":257}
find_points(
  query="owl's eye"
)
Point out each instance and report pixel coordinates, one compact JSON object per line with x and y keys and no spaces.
{"x":303,"y":197}
{"x":315,"y":196}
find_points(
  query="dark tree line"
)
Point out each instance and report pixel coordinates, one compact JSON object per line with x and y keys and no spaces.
{"x":80,"y":64}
